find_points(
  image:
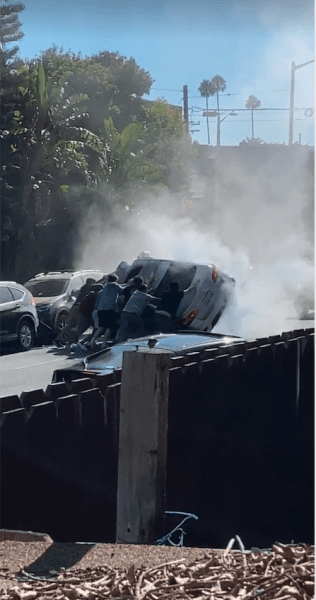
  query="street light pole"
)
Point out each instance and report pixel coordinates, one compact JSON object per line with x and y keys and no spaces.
{"x":294,"y":67}
{"x":219,"y":121}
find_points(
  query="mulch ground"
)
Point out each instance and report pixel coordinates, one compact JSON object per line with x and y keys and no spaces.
{"x":45,"y":570}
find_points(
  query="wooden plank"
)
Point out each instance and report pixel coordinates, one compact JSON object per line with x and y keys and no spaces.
{"x":142,"y":459}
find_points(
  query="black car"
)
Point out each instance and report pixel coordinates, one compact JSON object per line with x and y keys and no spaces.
{"x":177,"y":344}
{"x":55,"y":292}
{"x":18,"y":315}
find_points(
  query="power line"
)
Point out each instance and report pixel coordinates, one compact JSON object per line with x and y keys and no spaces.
{"x":248,"y":109}
{"x":165,"y":90}
{"x":243,"y":94}
{"x":262,"y":120}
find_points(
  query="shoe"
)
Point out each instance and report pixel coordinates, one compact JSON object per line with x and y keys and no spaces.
{"x":82,"y":346}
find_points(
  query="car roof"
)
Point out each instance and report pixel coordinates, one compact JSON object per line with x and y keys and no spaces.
{"x":174,"y":343}
{"x":64,"y":272}
{"x":13,"y":283}
{"x":144,"y":259}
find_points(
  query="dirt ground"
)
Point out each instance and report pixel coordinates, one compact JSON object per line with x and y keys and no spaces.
{"x":45,"y":570}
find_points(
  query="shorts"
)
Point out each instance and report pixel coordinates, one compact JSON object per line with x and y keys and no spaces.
{"x":107,"y":319}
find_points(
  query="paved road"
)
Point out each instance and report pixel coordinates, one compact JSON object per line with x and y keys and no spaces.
{"x":25,"y":371}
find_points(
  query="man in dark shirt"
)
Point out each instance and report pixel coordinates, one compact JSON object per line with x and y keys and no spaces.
{"x":130,"y":289}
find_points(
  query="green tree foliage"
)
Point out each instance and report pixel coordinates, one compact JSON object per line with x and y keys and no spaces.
{"x":252,"y":103}
{"x":9,"y":31}
{"x":70,"y":126}
{"x":53,"y":142}
{"x":9,"y":162}
{"x":149,"y":150}
{"x":129,"y":82}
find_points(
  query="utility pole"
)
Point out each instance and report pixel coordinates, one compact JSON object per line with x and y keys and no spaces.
{"x":186,"y":108}
{"x":294,"y":67}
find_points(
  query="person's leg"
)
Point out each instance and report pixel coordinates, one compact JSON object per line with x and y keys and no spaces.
{"x":62,"y":336}
{"x":95,"y":336}
{"x":99,"y":330}
{"x":122,"y":333}
{"x":105,"y":338}
{"x":138,"y":327}
{"x":82,"y":324}
{"x":110,"y":323}
{"x":133,"y":326}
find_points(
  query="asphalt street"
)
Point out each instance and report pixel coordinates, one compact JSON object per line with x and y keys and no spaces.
{"x":25,"y":371}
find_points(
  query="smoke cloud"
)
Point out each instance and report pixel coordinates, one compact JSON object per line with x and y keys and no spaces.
{"x":253,"y":223}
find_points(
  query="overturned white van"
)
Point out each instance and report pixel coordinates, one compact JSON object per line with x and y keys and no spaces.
{"x":200,"y":308}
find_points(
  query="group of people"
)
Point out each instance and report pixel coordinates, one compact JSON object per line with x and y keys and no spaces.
{"x":115,"y":310}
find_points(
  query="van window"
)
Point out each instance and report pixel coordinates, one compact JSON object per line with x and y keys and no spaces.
{"x":182,"y":273}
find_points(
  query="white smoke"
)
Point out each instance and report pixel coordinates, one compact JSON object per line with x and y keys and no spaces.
{"x":251,"y":226}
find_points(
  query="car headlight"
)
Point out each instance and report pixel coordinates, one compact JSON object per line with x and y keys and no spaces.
{"x":43,"y":307}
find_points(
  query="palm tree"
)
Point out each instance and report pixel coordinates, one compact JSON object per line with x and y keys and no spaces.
{"x":251,"y":104}
{"x":205,"y":91}
{"x":218,"y":84}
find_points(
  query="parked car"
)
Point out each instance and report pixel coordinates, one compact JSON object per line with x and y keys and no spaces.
{"x":176,"y":344}
{"x":55,"y":292}
{"x":201,"y":308}
{"x":18,"y":316}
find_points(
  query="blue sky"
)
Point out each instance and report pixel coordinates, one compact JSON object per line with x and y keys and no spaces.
{"x":251,"y":44}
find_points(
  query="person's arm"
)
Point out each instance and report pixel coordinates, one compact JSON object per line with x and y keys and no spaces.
{"x":151,"y":297}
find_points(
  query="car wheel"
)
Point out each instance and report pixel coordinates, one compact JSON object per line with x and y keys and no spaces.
{"x":26,"y":335}
{"x":61,"y":322}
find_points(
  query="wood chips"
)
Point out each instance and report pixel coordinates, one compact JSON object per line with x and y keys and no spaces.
{"x":283,"y":573}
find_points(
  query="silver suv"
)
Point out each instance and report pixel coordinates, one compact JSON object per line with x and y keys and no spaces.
{"x":55,"y":292}
{"x":18,"y":316}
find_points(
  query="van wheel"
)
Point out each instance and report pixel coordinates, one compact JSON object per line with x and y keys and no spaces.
{"x":26,"y":335}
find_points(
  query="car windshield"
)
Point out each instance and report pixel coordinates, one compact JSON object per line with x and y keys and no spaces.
{"x":48,"y":288}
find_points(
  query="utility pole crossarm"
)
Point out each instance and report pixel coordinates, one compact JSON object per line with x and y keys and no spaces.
{"x":303,"y":64}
